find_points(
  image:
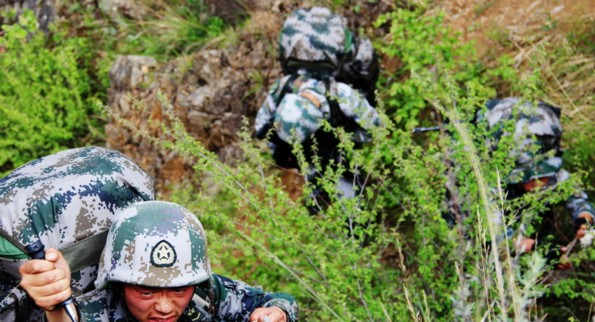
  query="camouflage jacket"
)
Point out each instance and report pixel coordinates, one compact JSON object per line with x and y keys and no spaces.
{"x":233,"y":301}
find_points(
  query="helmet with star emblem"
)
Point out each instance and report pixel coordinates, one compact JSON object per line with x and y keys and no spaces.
{"x":155,"y":244}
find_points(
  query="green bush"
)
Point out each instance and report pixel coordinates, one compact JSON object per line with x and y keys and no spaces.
{"x":46,"y":104}
{"x":421,"y":42}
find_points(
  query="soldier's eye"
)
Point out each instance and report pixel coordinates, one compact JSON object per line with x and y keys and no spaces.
{"x":144,"y":292}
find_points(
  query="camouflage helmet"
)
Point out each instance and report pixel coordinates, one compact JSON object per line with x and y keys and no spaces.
{"x":155,"y":244}
{"x":314,"y":37}
{"x":526,"y":172}
{"x":537,"y":130}
{"x":299,"y":116}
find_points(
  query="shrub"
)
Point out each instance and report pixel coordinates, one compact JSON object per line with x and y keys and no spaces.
{"x":45,"y":99}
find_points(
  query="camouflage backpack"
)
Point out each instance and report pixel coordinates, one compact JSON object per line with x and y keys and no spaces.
{"x":319,"y":41}
{"x":537,"y":130}
{"x":66,"y":201}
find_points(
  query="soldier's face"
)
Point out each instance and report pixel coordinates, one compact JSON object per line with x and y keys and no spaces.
{"x":151,"y":304}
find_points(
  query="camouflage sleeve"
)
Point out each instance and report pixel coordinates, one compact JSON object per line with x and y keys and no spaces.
{"x":265,"y":114}
{"x":236,"y":300}
{"x":355,"y":106}
{"x":93,"y":306}
{"x":578,"y":204}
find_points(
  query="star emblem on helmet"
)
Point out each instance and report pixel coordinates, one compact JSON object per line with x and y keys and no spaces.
{"x":163,"y":254}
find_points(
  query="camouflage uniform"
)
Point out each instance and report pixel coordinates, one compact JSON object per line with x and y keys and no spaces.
{"x":538,"y":131}
{"x":67,"y":201}
{"x":161,"y":244}
{"x":331,"y":75}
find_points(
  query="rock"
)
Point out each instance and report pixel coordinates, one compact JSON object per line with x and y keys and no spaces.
{"x":210,"y":97}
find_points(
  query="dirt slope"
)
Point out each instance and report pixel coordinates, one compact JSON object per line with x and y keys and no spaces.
{"x":490,"y":23}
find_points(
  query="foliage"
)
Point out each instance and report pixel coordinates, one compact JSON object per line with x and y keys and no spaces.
{"x":268,"y":239}
{"x":169,"y":30}
{"x":45,"y":98}
{"x":457,"y":88}
{"x":421,"y":42}
{"x":399,"y":258}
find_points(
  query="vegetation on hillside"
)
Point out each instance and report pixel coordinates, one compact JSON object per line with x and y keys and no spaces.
{"x":387,"y":255}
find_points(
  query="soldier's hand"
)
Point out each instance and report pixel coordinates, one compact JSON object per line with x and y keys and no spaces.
{"x":524,"y":244}
{"x":582,"y":229}
{"x":268,"y":314}
{"x":47,"y":281}
{"x":564,"y":262}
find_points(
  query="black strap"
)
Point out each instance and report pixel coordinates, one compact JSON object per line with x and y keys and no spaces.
{"x":286,"y":88}
{"x":85,"y":252}
{"x":78,"y":255}
{"x":337,"y":117}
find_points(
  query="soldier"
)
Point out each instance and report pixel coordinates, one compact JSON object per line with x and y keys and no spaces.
{"x":154,"y":267}
{"x":323,"y":61}
{"x":538,"y":166}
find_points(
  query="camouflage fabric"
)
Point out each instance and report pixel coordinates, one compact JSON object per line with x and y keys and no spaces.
{"x":155,"y":243}
{"x":361,"y":71}
{"x":314,"y":35}
{"x":576,"y":203}
{"x":300,"y":113}
{"x":232,"y":301}
{"x":297,"y":118}
{"x":534,"y":169}
{"x":318,"y":41}
{"x":63,"y":200}
{"x":537,"y":130}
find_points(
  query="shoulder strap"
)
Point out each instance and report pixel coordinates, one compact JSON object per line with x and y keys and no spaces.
{"x":286,"y":88}
{"x":85,"y":252}
{"x":78,"y":255}
{"x":337,"y":117}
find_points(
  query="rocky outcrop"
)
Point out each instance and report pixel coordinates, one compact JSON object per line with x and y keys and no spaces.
{"x":210,"y":92}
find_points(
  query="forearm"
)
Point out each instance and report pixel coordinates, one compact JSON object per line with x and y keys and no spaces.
{"x":286,"y":303}
{"x":251,"y":298}
{"x":579,"y":206}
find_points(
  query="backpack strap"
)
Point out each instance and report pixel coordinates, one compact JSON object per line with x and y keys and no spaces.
{"x":286,"y":88}
{"x":11,"y":248}
{"x":85,"y":252}
{"x":78,"y":255}
{"x":337,"y":117}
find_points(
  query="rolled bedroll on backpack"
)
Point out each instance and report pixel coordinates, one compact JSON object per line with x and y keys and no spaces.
{"x":65,"y":201}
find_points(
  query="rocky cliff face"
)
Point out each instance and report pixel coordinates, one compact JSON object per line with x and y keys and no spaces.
{"x":210,"y":92}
